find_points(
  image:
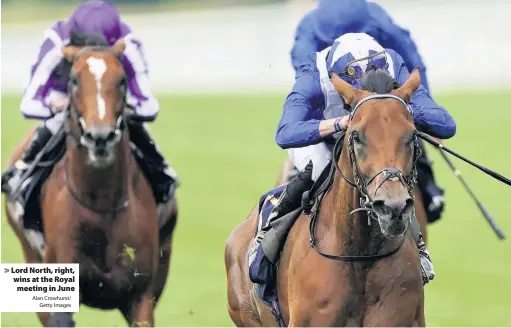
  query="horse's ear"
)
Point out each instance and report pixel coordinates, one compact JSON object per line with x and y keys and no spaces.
{"x":350,"y":93}
{"x":70,"y":52}
{"x":118,"y":47}
{"x":410,"y":86}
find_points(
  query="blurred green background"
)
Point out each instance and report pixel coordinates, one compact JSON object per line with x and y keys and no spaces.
{"x":225,"y":164}
{"x":222,"y":147}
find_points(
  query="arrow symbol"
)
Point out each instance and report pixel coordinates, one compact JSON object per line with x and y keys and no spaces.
{"x":6,"y":270}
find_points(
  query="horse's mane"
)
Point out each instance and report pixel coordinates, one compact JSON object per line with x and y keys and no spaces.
{"x":77,"y":39}
{"x":379,"y":81}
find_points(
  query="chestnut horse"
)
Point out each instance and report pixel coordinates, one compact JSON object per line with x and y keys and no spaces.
{"x":97,"y":207}
{"x":347,"y":265}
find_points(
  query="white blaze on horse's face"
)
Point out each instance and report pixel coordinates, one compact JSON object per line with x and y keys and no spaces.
{"x":97,"y":67}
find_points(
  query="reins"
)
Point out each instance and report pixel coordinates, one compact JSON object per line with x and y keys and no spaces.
{"x":389,"y":173}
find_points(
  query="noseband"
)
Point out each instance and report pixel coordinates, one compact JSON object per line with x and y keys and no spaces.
{"x":389,"y":173}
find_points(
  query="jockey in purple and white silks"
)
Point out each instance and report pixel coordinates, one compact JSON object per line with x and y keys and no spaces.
{"x":314,"y":111}
{"x":93,"y":23}
{"x":330,"y":19}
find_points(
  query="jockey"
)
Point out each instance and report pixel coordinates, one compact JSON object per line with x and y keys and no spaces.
{"x":331,"y":18}
{"x":311,"y":114}
{"x":321,"y":26}
{"x":45,"y":97}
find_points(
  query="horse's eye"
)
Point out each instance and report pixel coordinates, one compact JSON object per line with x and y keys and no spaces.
{"x":356,"y":137}
{"x":74,"y":81}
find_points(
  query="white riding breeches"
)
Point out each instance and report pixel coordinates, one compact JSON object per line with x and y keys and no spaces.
{"x":55,"y":123}
{"x":319,"y":154}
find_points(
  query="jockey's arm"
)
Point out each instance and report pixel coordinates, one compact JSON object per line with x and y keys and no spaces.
{"x":299,"y":125}
{"x":397,"y":38}
{"x":429,"y":117}
{"x":140,"y":97}
{"x":35,"y":102}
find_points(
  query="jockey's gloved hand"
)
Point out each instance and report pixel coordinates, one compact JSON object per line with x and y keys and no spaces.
{"x":340,"y":125}
{"x":59,"y":105}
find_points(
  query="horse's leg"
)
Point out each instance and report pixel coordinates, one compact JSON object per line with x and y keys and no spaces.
{"x":63,"y":255}
{"x":420,"y":212}
{"x":240,"y":306}
{"x":30,"y":255}
{"x":140,"y":312}
{"x":170,"y":211}
{"x":421,"y":316}
{"x":163,"y":269}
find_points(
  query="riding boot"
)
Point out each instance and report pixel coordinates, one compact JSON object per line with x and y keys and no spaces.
{"x":11,"y":178}
{"x":291,"y":197}
{"x":162,"y":178}
{"x":262,"y":258}
{"x":428,"y":273}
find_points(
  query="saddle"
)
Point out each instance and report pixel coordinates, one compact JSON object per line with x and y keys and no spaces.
{"x":270,"y":236}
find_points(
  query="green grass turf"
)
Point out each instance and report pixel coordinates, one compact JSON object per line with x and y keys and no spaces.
{"x":222,"y":147}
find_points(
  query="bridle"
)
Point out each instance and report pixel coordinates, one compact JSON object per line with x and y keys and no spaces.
{"x":78,"y":137}
{"x":74,"y":115}
{"x":389,"y":173}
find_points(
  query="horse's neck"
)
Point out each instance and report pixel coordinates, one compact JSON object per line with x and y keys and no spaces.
{"x":100,"y":187}
{"x":338,"y":231}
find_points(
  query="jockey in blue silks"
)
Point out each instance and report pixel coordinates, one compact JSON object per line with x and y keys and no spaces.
{"x":331,"y":18}
{"x":92,"y":23}
{"x":314,"y":111}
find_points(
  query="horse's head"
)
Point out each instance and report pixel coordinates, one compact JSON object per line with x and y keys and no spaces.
{"x":383,"y":147}
{"x":97,"y":88}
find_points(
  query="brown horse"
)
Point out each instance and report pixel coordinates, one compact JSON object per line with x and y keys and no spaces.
{"x":288,"y":171}
{"x":97,"y":207}
{"x":377,"y":279}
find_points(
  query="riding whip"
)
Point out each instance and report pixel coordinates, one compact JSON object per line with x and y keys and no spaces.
{"x":489,"y":218}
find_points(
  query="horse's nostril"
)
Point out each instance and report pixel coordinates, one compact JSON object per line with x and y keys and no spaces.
{"x":378,"y":203}
{"x":100,"y":136}
{"x":88,"y":136}
{"x":111,"y":136}
{"x":380,"y":208}
{"x":393,"y":208}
